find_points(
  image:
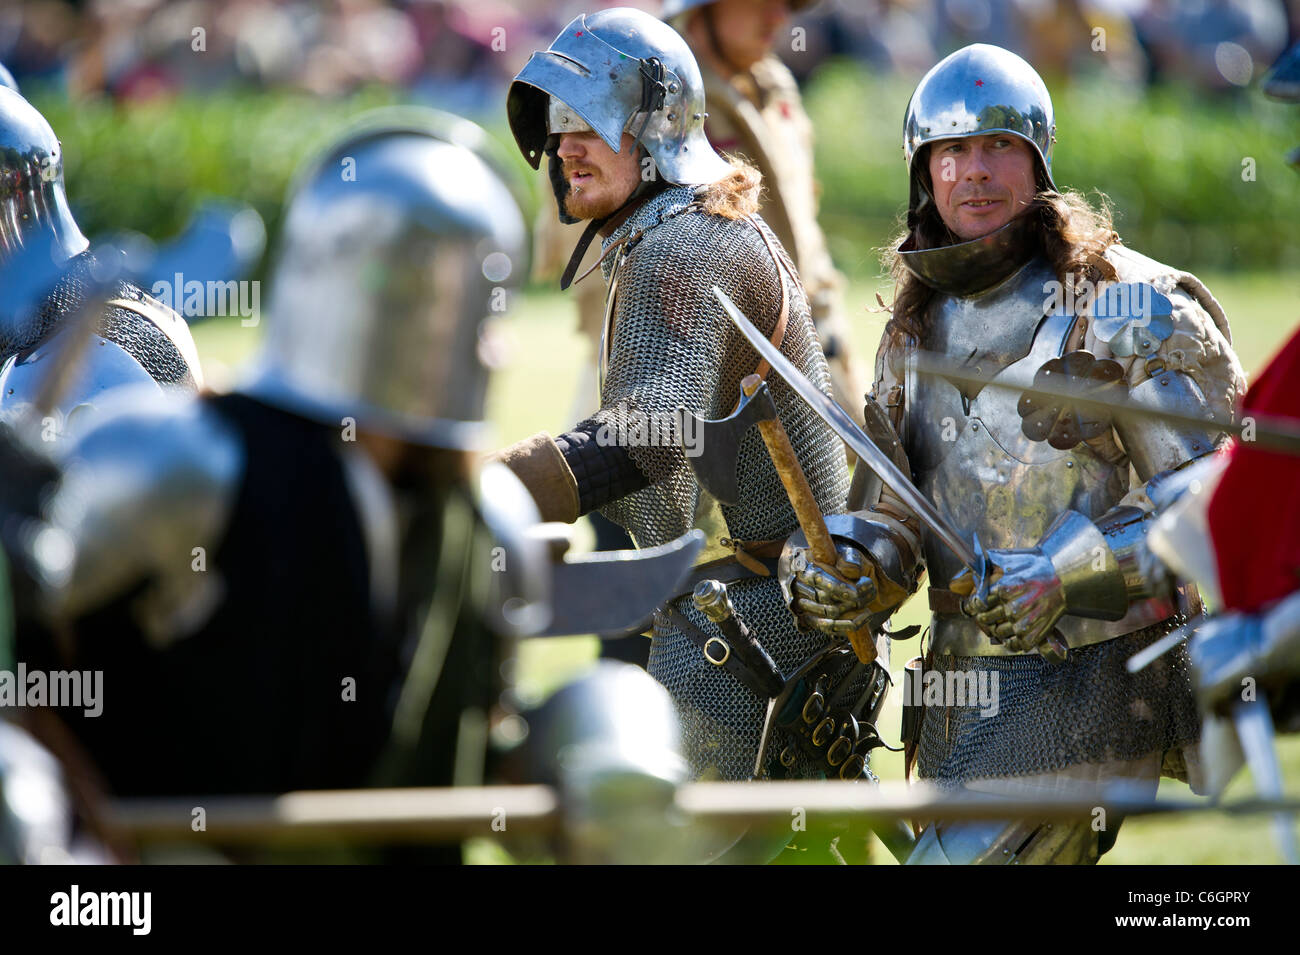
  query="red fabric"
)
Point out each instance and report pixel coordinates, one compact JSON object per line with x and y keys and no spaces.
{"x":1255,"y":512}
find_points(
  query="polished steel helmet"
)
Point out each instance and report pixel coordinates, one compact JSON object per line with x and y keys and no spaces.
{"x":32,"y":200}
{"x":616,"y":71}
{"x":980,"y":89}
{"x":399,"y":244}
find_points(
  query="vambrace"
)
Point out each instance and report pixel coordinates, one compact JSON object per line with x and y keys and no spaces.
{"x":1154,"y":446}
{"x":573,"y":474}
{"x":1104,"y":565}
{"x":603,"y":471}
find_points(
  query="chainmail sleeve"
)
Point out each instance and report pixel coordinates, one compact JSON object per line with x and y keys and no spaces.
{"x":672,"y":346}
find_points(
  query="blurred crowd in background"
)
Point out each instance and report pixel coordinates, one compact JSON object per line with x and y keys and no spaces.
{"x":452,"y":51}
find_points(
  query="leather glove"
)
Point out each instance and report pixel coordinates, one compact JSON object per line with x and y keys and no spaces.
{"x":832,"y":600}
{"x":1018,"y":601}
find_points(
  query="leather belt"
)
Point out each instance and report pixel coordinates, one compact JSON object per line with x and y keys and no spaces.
{"x":944,"y":601}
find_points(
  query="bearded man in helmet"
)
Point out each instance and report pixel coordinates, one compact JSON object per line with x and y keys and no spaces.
{"x":616,"y":107}
{"x":756,"y":112}
{"x":1005,"y":275}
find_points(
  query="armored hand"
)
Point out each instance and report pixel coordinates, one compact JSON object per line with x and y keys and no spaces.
{"x":1079,"y":567}
{"x":836,"y":601}
{"x":1235,"y":647}
{"x":1019,"y":600}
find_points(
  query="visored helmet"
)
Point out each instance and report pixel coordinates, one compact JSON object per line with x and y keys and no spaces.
{"x":616,"y":71}
{"x":980,"y":89}
{"x":397,"y":242}
{"x":32,"y":200}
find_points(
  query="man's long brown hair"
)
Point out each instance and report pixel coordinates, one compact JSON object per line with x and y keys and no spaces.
{"x":736,"y":195}
{"x":1072,"y":234}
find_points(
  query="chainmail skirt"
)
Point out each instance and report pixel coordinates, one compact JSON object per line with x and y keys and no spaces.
{"x":721,"y":718}
{"x":1089,"y":709}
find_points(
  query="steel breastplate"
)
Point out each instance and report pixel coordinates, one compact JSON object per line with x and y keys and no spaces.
{"x":971,"y":459}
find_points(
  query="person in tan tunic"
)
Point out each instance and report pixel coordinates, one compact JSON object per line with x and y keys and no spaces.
{"x":755,"y":111}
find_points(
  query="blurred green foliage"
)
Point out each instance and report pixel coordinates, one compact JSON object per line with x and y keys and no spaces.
{"x":1171,"y":162}
{"x":146,"y":167}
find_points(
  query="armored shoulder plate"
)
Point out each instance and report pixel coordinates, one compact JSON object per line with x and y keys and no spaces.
{"x":1135,"y":267}
{"x":147,"y":494}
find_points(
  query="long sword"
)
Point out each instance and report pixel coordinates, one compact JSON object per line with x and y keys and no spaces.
{"x":842,"y":424}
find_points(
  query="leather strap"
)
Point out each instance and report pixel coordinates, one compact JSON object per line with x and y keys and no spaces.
{"x":717,"y":651}
{"x":778,"y":334}
{"x":726,"y":570}
{"x":944,"y":601}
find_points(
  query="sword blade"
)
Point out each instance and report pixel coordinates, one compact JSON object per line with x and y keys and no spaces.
{"x":1254,"y":728}
{"x":842,"y":423}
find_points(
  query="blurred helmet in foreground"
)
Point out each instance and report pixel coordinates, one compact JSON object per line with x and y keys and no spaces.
{"x":398,"y":243}
{"x":32,"y":200}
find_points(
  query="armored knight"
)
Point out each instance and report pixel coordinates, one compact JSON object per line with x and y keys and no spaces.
{"x":1004,"y":277}
{"x":274,"y":579}
{"x":136,"y":340}
{"x":756,"y":112}
{"x":619,"y":93}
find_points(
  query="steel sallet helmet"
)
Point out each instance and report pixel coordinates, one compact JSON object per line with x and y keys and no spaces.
{"x":980,"y":89}
{"x":398,"y":243}
{"x":619,"y":70}
{"x":32,"y":199}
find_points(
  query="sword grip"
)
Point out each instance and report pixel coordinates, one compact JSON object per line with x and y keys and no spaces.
{"x":820,"y":542}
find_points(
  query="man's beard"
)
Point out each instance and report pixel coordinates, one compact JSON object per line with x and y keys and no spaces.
{"x":581,"y":204}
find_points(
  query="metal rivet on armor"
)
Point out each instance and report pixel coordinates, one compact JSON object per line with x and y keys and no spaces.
{"x":1146,"y":344}
{"x":672,"y":117}
{"x":672,"y":87}
{"x":1164,"y":381}
{"x":698,"y":116}
{"x":974,"y":427}
{"x":1069,"y":464}
{"x":1196,"y":445}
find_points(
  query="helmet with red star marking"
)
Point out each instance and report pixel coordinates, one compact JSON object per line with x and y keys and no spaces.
{"x":980,"y":89}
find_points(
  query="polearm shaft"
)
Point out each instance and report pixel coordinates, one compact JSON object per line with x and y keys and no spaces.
{"x":806,"y":510}
{"x":386,"y":816}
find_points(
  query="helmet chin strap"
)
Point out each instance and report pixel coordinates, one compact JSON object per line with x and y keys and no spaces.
{"x":643,"y":191}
